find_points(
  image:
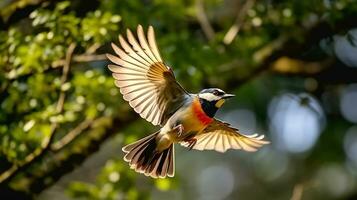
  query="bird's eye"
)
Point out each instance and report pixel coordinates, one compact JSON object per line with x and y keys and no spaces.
{"x":216,"y":93}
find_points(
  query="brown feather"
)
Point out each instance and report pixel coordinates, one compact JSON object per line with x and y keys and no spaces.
{"x":143,"y":157}
{"x":220,"y":136}
{"x":139,"y":62}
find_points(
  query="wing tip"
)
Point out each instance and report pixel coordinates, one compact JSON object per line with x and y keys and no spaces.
{"x":112,"y":67}
{"x":260,"y":139}
{"x":129,"y":33}
{"x":151,"y":30}
{"x":111,"y":57}
{"x":114,"y":46}
{"x":140,"y":27}
{"x":121,"y":39}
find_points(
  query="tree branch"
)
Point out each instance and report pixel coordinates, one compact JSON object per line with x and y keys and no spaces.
{"x":333,"y":73}
{"x":289,"y":47}
{"x":297,"y":192}
{"x":10,"y":173}
{"x":73,"y":134}
{"x":79,"y":59}
{"x":203,"y":20}
{"x":65,"y":160}
{"x":234,"y":29}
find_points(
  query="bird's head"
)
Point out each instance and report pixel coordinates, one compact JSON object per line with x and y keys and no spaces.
{"x":211,"y":99}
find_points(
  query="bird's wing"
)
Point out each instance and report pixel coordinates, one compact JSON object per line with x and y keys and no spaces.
{"x":220,"y":136}
{"x":144,"y":80}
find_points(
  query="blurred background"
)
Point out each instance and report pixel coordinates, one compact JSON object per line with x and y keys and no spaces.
{"x":291,"y":64}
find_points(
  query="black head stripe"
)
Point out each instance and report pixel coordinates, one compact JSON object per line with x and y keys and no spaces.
{"x":209,"y":107}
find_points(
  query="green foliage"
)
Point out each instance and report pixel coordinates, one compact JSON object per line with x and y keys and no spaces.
{"x":112,"y":183}
{"x":27,"y":52}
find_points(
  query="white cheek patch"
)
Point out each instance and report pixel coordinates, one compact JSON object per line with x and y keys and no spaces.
{"x":209,"y":97}
{"x":220,"y":103}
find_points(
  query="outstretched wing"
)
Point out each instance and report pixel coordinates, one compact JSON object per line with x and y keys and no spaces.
{"x":144,"y":80}
{"x":220,"y":136}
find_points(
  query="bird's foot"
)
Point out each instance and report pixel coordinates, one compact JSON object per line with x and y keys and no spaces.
{"x":179,"y":130}
{"x":191,"y":143}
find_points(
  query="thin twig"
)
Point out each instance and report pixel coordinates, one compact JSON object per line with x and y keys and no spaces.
{"x":297,"y":192}
{"x":64,"y":77}
{"x":80,"y":58}
{"x":203,"y":20}
{"x":234,"y":29}
{"x":11,"y":172}
{"x":93,"y":48}
{"x":60,"y":63}
{"x":70,"y":136}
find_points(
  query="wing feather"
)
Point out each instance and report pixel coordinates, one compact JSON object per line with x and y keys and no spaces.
{"x":151,"y":112}
{"x":235,"y":143}
{"x":144,"y":44}
{"x":220,"y":136}
{"x":144,"y":80}
{"x":127,"y":59}
{"x":141,"y":98}
{"x":210,"y":144}
{"x":207,"y":144}
{"x":152,"y":44}
{"x":145,"y":110}
{"x":137,"y":48}
{"x":125,"y":84}
{"x":131,"y":52}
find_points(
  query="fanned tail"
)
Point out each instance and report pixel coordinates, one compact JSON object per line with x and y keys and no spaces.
{"x":143,"y":157}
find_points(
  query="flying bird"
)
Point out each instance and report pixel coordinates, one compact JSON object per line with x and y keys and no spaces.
{"x":150,"y":87}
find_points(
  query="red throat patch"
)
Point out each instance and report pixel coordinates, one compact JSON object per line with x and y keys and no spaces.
{"x":200,"y":114}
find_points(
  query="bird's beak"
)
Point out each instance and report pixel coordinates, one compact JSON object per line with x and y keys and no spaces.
{"x":227,"y":96}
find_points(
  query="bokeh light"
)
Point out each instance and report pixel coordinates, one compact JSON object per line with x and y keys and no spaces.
{"x":350,"y":145}
{"x":345,"y":48}
{"x":348,"y":103}
{"x":334,"y":181}
{"x":271,"y":164}
{"x":215,"y":182}
{"x":243,"y":119}
{"x":296,"y":121}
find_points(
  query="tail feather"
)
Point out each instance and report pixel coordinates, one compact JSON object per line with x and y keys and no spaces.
{"x":171,"y":169}
{"x":144,"y":158}
{"x":163,"y":164}
{"x":136,"y":151}
{"x":129,"y":147}
{"x":152,"y":170}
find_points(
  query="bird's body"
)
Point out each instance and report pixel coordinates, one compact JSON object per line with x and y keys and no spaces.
{"x":151,"y":89}
{"x":192,"y":119}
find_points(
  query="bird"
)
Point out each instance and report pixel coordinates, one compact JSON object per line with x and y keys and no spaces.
{"x":151,"y":89}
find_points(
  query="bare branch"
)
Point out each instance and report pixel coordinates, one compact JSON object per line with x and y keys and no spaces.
{"x":66,"y":66}
{"x":80,"y":58}
{"x":203,"y":20}
{"x":93,"y":48}
{"x":70,"y":136}
{"x":297,"y":192}
{"x":234,"y":29}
